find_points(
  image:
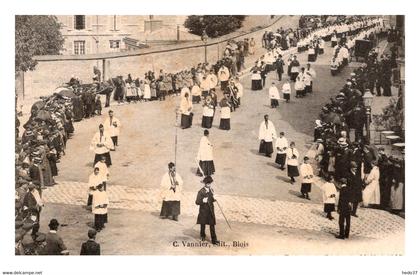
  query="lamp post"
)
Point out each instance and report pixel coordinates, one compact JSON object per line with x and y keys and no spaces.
{"x":204,"y":38}
{"x":367,"y":101}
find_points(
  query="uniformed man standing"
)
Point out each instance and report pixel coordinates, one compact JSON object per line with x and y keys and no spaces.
{"x":205,"y":199}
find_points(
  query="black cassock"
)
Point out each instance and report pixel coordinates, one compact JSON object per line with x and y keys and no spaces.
{"x":206,"y":211}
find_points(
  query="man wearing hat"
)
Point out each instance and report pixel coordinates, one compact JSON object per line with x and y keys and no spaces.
{"x":344,"y":209}
{"x":35,"y":168}
{"x":171,"y":188}
{"x":54,"y":243}
{"x":91,"y":247}
{"x":100,"y":204}
{"x":279,"y":67}
{"x":342,"y":159}
{"x":101,"y":144}
{"x":355,"y":185}
{"x":385,"y":171}
{"x":32,"y":201}
{"x":205,"y":199}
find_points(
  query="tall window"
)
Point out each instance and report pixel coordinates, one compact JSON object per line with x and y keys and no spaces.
{"x":114,"y":44}
{"x":79,"y":47}
{"x":79,"y":22}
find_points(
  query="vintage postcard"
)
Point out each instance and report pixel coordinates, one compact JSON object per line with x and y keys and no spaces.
{"x":209,"y":135}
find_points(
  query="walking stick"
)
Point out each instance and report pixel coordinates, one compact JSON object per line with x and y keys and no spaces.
{"x":199,"y":167}
{"x":176,"y":133}
{"x":223,"y":215}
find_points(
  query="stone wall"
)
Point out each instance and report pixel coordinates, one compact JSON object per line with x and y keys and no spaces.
{"x":52,"y":71}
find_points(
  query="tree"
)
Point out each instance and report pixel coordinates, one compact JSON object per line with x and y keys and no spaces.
{"x":214,"y":25}
{"x":35,"y":35}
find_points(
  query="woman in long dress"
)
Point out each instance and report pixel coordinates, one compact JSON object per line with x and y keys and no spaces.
{"x":147,"y":93}
{"x":371,"y":193}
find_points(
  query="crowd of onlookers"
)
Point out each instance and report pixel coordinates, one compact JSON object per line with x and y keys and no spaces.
{"x":335,"y":152}
{"x":43,"y":141}
{"x":37,"y":152}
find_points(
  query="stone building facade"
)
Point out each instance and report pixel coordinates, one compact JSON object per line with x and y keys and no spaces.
{"x":94,"y":34}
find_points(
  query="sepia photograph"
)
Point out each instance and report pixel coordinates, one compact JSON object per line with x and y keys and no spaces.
{"x":209,"y":135}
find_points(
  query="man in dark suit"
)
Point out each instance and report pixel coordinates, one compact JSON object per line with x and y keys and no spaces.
{"x":205,"y":199}
{"x":279,"y":67}
{"x":91,"y":247}
{"x":54,"y":243}
{"x":355,"y":184}
{"x":344,"y":209}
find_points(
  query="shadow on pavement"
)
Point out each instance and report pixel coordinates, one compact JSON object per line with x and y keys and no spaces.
{"x":273,"y":164}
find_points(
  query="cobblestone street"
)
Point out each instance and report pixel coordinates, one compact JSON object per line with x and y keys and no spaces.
{"x":306,"y":216}
{"x":255,"y":195}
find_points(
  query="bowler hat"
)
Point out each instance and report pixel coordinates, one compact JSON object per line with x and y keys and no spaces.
{"x":53,"y":223}
{"x":207,"y":179}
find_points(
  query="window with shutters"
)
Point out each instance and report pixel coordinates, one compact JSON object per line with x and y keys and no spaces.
{"x":114,"y":44}
{"x":79,"y":47}
{"x":79,"y":22}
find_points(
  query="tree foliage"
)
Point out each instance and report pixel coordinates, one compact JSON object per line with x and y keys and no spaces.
{"x":214,"y":25}
{"x":35,"y":35}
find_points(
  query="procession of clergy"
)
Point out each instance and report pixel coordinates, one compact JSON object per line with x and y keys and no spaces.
{"x":105,"y":140}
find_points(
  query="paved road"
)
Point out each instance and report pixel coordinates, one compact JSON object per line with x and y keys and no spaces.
{"x":295,"y":215}
{"x":255,"y":194}
{"x":147,"y":143}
